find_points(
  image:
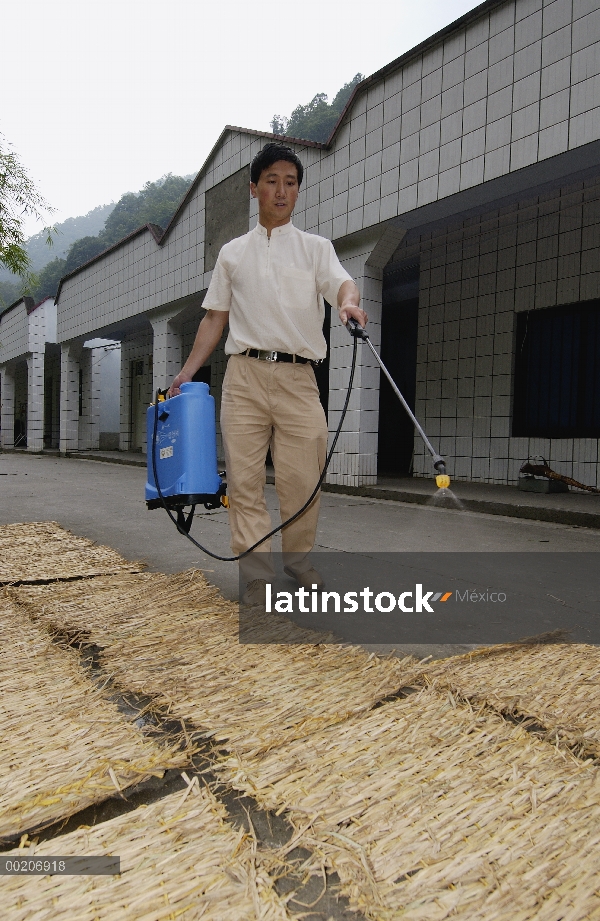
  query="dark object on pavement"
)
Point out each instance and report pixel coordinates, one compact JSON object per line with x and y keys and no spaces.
{"x":529,"y":471}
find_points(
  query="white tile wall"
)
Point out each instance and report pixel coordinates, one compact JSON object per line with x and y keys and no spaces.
{"x":472,"y":276}
{"x":14,"y":329}
{"x":7,"y":406}
{"x":23,"y":338}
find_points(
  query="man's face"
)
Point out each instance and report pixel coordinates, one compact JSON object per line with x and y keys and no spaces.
{"x":277,"y":193}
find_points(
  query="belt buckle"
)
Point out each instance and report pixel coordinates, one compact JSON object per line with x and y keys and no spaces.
{"x":270,"y":356}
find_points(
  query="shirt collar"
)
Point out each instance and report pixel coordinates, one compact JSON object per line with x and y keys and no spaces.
{"x":277,"y":231}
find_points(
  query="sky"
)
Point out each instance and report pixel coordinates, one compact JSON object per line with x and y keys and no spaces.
{"x":100,"y":98}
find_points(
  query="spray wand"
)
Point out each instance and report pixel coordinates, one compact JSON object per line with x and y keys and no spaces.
{"x":442,"y":479}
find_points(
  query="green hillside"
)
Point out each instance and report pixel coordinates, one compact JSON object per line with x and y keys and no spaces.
{"x":316,"y":120}
{"x":81,"y":238}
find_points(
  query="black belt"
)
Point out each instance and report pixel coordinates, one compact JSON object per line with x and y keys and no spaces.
{"x":275,"y":356}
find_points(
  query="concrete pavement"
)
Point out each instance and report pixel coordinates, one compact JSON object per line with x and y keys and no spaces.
{"x":575,"y":507}
{"x":105,"y":502}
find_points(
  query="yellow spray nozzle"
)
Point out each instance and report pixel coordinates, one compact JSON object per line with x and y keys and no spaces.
{"x":442,"y":481}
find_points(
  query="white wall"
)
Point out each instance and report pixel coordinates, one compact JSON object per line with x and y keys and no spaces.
{"x":110,"y":378}
{"x":14,"y":333}
{"x":107,"y":354}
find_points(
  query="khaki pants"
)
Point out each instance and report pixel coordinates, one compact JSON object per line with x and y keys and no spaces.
{"x":272,"y":404}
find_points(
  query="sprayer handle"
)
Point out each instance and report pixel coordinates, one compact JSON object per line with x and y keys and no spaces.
{"x":355,"y":329}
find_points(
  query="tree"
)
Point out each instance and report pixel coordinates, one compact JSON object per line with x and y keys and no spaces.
{"x":9,"y":293}
{"x":312,"y":120}
{"x":279,"y":124}
{"x":316,"y":120}
{"x":19,"y":198}
{"x":154,"y":204}
{"x":48,"y":279}
{"x":67,"y":232}
{"x":82,"y":251}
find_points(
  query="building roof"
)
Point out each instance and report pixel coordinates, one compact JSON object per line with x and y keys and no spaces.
{"x":30,"y":304}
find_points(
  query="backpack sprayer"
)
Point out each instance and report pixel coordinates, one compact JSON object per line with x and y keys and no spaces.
{"x":181,"y":430}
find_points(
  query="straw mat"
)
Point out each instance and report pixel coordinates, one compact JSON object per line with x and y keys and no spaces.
{"x":176,"y":639}
{"x":43,"y":550}
{"x":556,"y":685}
{"x":179,"y":860}
{"x":63,"y":745}
{"x":428,"y":809}
{"x":105,"y":608}
{"x":108,"y":608}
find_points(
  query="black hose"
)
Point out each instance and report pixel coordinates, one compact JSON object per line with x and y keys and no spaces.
{"x":233,"y":559}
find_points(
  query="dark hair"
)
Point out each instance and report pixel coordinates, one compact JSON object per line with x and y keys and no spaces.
{"x":269,"y":155}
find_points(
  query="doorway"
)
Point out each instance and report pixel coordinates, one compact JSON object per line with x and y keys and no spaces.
{"x":21,"y":398}
{"x":399,"y":326}
{"x":139,"y":404}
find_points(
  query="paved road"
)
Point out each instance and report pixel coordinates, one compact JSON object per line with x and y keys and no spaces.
{"x":105,"y":502}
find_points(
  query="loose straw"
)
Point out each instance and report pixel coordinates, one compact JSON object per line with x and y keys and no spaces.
{"x":179,"y":859}
{"x":42,"y":550}
{"x":63,"y":745}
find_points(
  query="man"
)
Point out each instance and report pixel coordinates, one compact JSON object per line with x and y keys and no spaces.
{"x":270,"y":285}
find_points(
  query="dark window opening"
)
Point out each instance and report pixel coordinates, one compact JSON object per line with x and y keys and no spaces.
{"x":48,"y":411}
{"x":202,"y":375}
{"x":322,"y":370}
{"x":557,"y":372}
{"x":81,"y":391}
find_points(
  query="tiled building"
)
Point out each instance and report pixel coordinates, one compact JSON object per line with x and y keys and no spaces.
{"x":29,"y":375}
{"x":30,"y":382}
{"x":461,"y":188}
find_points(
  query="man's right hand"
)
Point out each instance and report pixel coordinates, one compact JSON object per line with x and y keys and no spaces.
{"x":182,"y":378}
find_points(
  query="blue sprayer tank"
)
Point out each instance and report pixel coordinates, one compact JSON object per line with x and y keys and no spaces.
{"x":186,"y":445}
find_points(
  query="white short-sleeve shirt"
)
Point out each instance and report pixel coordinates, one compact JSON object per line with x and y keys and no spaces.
{"x":274,"y":289}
